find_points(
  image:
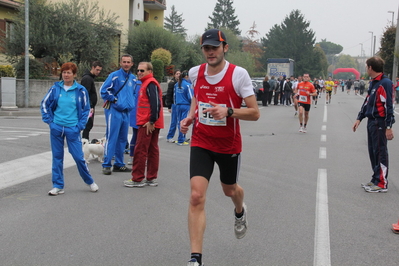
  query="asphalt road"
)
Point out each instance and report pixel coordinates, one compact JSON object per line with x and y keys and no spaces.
{"x":305,"y":203}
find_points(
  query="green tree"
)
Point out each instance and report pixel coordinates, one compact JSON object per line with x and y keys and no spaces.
{"x":316,"y":65}
{"x":235,"y":44}
{"x":291,"y":39}
{"x":147,"y":37}
{"x":223,"y":16}
{"x":252,"y":45}
{"x":330,"y":48}
{"x":174,"y":22}
{"x":191,"y":54}
{"x":387,"y":50}
{"x":162,"y":54}
{"x":242,"y":59}
{"x":158,"y":70}
{"x":76,"y":27}
{"x":345,"y":61}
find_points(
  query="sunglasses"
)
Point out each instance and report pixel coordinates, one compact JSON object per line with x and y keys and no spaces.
{"x":140,"y":70}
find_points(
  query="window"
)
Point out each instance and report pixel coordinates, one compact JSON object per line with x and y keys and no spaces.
{"x":10,"y":29}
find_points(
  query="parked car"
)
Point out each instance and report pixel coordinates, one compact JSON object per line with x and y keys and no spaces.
{"x":257,"y":84}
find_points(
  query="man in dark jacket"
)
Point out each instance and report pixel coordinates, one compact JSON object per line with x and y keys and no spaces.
{"x":378,"y":107}
{"x":88,"y":82}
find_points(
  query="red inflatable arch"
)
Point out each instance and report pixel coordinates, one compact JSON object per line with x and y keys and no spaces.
{"x":354,"y":71}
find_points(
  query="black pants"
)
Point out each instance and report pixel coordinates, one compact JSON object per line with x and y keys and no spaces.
{"x":276,"y":93}
{"x":378,"y":151}
{"x":89,"y":126}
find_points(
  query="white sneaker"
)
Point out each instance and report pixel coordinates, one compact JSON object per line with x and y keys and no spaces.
{"x":171,"y":140}
{"x":194,"y":262}
{"x":93,"y":187}
{"x":304,"y":130}
{"x":151,"y":183}
{"x":241,"y":224}
{"x":300,"y":129}
{"x":56,"y":191}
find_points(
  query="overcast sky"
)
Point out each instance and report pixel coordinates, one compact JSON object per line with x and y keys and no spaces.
{"x":344,"y":22}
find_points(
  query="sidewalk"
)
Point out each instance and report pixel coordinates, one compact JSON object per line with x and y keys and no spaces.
{"x":32,"y":111}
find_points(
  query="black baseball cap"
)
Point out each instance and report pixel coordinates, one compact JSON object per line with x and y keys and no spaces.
{"x":213,"y":37}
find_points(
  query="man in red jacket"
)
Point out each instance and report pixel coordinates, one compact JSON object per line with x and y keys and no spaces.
{"x":150,"y":121}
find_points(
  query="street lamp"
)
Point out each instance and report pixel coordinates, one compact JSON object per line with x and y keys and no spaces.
{"x":371,"y":49}
{"x":393,"y":13}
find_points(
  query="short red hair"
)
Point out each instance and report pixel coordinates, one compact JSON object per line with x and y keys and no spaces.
{"x":69,"y":66}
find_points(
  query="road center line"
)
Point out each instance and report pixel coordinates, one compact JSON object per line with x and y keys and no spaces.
{"x":325,"y":114}
{"x":322,"y":252}
{"x":322,"y":153}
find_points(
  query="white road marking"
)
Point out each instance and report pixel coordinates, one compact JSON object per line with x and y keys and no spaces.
{"x":325,"y":114}
{"x":322,"y":153}
{"x":15,"y":172}
{"x":324,"y":127}
{"x":322,"y":251}
{"x":323,"y":138}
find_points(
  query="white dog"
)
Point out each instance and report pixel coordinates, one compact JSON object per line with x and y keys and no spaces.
{"x":93,"y":149}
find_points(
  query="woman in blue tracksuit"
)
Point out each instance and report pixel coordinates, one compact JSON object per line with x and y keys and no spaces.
{"x":66,"y":108}
{"x":183,"y":92}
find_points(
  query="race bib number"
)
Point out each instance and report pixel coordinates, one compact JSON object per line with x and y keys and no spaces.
{"x":206,"y":118}
{"x":303,"y":98}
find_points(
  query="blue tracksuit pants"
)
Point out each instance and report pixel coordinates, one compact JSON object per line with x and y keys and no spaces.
{"x":378,"y":151}
{"x":173,"y":123}
{"x":116,"y":134}
{"x":182,"y":111}
{"x":72,"y":135}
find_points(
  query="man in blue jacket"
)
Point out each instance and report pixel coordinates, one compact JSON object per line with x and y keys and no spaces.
{"x":378,"y":108}
{"x":118,"y":90}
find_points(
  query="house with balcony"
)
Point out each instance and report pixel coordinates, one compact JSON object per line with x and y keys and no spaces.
{"x":132,"y":11}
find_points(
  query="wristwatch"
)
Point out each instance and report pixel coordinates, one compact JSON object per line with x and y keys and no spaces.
{"x":230,"y":111}
{"x":388,"y":127}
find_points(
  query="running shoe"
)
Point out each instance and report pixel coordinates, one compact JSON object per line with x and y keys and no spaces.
{"x":304,"y":130}
{"x":93,"y":187}
{"x":193,"y":262}
{"x":369,"y":184}
{"x":300,"y":129}
{"x":296,"y":113}
{"x":151,"y":183}
{"x":131,"y":183}
{"x":171,"y":140}
{"x":374,"y":189}
{"x":121,"y":169}
{"x":107,"y":171}
{"x":241,"y":224}
{"x":56,"y":191}
{"x":183,"y":143}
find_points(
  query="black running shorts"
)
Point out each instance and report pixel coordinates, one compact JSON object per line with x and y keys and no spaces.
{"x":202,"y":162}
{"x":305,"y":106}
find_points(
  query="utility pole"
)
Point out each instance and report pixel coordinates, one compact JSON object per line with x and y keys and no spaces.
{"x":26,"y":53}
{"x":371,"y":48}
{"x":393,"y":14}
{"x":396,"y":52}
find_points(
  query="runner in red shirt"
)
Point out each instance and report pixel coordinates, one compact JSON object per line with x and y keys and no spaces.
{"x":305,"y":90}
{"x":219,"y":89}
